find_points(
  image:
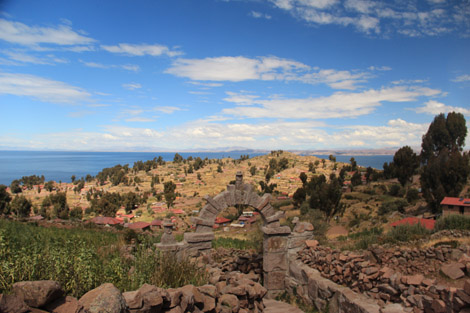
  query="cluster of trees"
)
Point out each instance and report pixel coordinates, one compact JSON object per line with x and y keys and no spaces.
{"x":148,"y":165}
{"x":321,"y":194}
{"x":108,"y":203}
{"x":116,"y":175}
{"x":443,"y":165}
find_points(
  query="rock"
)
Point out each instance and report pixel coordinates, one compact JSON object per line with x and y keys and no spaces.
{"x":12,"y":304}
{"x":228,"y":303}
{"x":64,"y":305}
{"x":415,"y":280}
{"x":209,"y":290}
{"x":466,"y":286}
{"x":452,"y":270}
{"x":438,"y":306}
{"x":387,"y":289}
{"x":38,"y":293}
{"x":303,"y":227}
{"x":104,"y":299}
{"x":311,"y":243}
{"x":393,"y":308}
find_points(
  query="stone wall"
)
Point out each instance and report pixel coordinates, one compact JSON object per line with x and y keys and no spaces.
{"x":229,"y":292}
{"x":399,"y":278}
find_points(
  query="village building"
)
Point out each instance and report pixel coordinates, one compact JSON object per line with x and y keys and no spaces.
{"x":451,"y":205}
{"x":426,"y":223}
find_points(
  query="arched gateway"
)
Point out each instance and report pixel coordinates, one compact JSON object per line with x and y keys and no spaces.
{"x":277,"y":242}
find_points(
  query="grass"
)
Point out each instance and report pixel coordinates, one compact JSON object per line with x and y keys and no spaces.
{"x":240,"y":244}
{"x":82,"y":259}
{"x":453,"y":221}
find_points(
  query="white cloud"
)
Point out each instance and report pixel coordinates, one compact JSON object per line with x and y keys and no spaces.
{"x":462,"y":78}
{"x":167,"y":109}
{"x":140,"y":119}
{"x":21,"y":56}
{"x":338,"y":105}
{"x":40,"y":88}
{"x":236,"y":69}
{"x":132,"y":86}
{"x":384,"y":17}
{"x":141,"y":50}
{"x":256,"y":14}
{"x":128,"y":67}
{"x":433,"y":107}
{"x":19,"y":33}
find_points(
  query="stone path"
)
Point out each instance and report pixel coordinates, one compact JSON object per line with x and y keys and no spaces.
{"x":273,"y":306}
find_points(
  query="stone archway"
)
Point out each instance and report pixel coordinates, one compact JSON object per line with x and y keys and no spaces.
{"x":276,"y":237}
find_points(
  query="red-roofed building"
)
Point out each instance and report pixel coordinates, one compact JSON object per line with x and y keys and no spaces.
{"x":451,"y":205}
{"x":177,"y":211}
{"x":426,"y":223}
{"x":222,"y":221}
{"x":139,"y":226}
{"x":156,"y":224}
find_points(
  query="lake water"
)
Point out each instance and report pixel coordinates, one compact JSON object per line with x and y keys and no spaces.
{"x":60,"y":166}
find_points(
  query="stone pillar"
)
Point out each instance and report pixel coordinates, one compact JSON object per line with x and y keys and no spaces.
{"x":168,"y":242}
{"x":275,"y":263}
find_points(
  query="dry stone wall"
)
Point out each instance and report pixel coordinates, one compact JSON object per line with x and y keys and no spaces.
{"x":401,"y":276}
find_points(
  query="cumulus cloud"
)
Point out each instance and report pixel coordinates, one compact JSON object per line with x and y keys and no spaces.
{"x":433,"y":107}
{"x":22,"y":34}
{"x":40,"y":88}
{"x":338,"y":105}
{"x":141,"y":49}
{"x":236,"y":69}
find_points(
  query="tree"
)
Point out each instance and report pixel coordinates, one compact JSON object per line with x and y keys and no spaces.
{"x":15,"y":186}
{"x":178,"y":158}
{"x":332,"y":158}
{"x":325,"y":196}
{"x":129,"y":201}
{"x":299,"y":197}
{"x":405,"y":162}
{"x":253,"y":170}
{"x":5,"y":199}
{"x":446,"y":168}
{"x":303,"y":177}
{"x":353,"y":164}
{"x":73,"y":178}
{"x":311,"y":167}
{"x":219,"y":169}
{"x":169,"y":192}
{"x":49,"y":185}
{"x":58,"y":203}
{"x":21,"y":206}
{"x":356,"y":179}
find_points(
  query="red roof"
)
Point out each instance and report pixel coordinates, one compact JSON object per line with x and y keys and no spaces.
{"x":156,"y":222}
{"x":222,"y":220}
{"x":426,"y":223}
{"x":456,"y":201}
{"x":139,"y":225}
{"x":177,"y":211}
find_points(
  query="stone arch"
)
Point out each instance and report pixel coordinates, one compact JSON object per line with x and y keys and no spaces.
{"x":276,"y":237}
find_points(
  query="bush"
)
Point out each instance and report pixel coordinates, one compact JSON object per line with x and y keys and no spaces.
{"x":412,"y":195}
{"x":453,"y":221}
{"x":405,"y":233}
{"x":317,"y":219}
{"x":396,"y":191}
{"x":392,"y":206}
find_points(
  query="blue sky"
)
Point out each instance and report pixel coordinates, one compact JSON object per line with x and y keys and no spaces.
{"x":274,"y":74}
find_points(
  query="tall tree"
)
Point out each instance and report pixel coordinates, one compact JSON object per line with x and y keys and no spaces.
{"x":169,"y":192}
{"x":405,"y":162}
{"x":446,"y":168}
{"x":5,"y":199}
{"x":325,"y":196}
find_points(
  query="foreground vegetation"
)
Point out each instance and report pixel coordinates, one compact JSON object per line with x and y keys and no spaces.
{"x":82,"y":259}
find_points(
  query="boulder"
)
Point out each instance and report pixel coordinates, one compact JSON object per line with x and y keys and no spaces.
{"x":104,"y":299}
{"x":38,"y":293}
{"x":12,"y":304}
{"x":228,"y":303}
{"x":452,"y":270}
{"x":146,"y":299}
{"x":64,"y":305}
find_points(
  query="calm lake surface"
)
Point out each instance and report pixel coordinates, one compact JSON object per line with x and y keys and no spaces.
{"x":60,"y":166}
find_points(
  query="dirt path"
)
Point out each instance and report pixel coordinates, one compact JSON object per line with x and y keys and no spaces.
{"x":336,"y":231}
{"x":273,"y":306}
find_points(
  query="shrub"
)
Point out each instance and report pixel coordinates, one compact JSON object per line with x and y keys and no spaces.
{"x":404,"y":233}
{"x":412,"y":195}
{"x":396,"y":191}
{"x":391,"y":206}
{"x":453,"y":221}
